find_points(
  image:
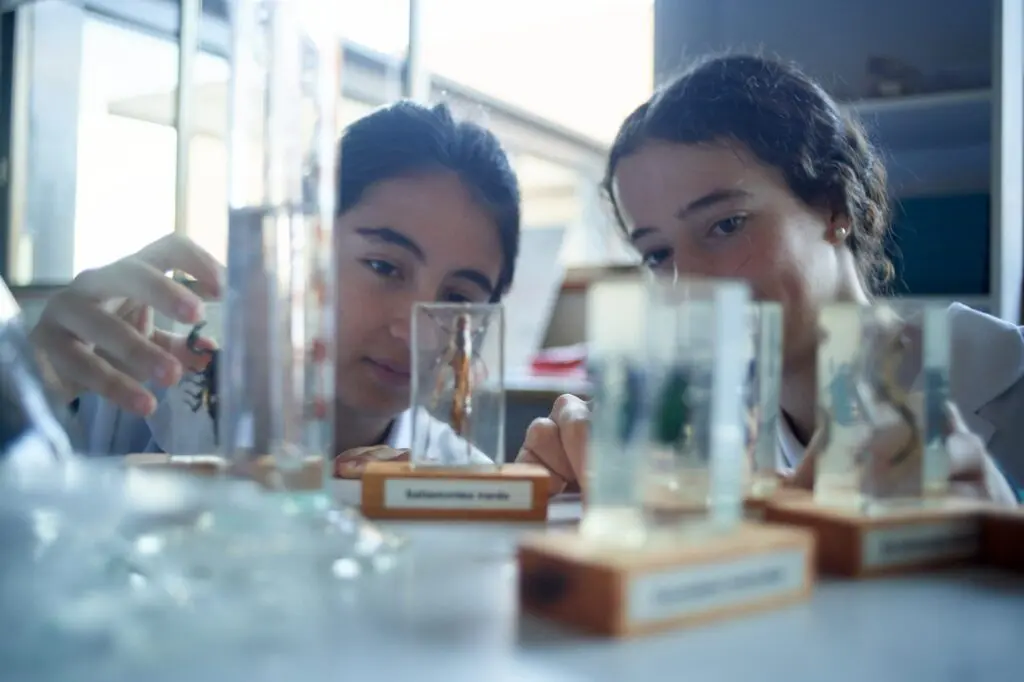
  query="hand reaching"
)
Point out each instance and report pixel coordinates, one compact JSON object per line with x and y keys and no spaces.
{"x":97,"y":335}
{"x":559,"y":443}
{"x":351,"y":463}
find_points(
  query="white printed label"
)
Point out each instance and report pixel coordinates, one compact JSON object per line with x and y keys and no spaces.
{"x":923,"y":542}
{"x":427,"y":493}
{"x":693,"y":590}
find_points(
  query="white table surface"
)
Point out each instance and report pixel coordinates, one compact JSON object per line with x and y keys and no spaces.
{"x":460,"y":592}
{"x":449,"y":613}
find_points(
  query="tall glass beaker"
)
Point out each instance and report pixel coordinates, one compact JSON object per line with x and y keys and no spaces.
{"x":277,"y":373}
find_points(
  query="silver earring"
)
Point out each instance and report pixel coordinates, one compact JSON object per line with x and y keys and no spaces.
{"x":841,"y":233}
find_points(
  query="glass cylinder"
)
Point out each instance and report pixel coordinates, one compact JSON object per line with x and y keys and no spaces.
{"x":458,"y":385}
{"x":29,"y":425}
{"x":697,"y":333}
{"x":764,"y":384}
{"x":277,"y":359}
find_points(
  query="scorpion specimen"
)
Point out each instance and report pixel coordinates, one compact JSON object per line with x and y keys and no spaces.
{"x":204,"y":383}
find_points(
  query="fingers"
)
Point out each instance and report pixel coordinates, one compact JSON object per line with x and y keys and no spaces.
{"x":143,"y":285}
{"x":556,"y":484}
{"x":119,"y":343}
{"x":543,"y":446}
{"x":93,"y":373}
{"x":967,"y":456}
{"x":967,"y":453}
{"x":97,"y":332}
{"x":136,"y":315}
{"x":970,"y":464}
{"x":572,"y":417}
{"x":972,"y":472}
{"x":178,"y":253}
{"x":351,"y":463}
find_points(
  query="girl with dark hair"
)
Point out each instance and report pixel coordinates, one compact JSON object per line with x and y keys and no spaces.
{"x":743,"y":167}
{"x":427,"y":211}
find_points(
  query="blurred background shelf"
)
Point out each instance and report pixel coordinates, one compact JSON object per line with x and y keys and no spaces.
{"x":937,"y":85}
{"x":935,"y":143}
{"x":942,"y":119}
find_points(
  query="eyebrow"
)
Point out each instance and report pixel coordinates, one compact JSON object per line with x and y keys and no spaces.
{"x":389,"y":235}
{"x":707,"y":201}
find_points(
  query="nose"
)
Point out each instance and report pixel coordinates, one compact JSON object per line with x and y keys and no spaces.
{"x":400,"y":324}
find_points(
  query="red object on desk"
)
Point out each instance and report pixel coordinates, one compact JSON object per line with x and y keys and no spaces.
{"x":561,"y":360}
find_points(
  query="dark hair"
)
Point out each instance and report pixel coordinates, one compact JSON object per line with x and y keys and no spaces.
{"x":788,"y":122}
{"x":405,"y":138}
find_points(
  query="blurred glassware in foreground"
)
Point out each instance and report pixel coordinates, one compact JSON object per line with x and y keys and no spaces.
{"x":276,"y":381}
{"x":28,"y":424}
{"x":107,"y":565}
{"x":277,"y":367}
{"x":110,"y":567}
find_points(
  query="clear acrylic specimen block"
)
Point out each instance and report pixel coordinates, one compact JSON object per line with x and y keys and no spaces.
{"x":617,"y":370}
{"x":458,"y":385}
{"x":763,"y":390}
{"x":882,"y":386}
{"x":697,"y":332}
{"x":836,"y":469}
{"x":277,"y":361}
{"x":667,"y":365}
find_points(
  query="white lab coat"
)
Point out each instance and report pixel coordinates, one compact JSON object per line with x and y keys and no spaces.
{"x":175,"y":429}
{"x":986,"y":381}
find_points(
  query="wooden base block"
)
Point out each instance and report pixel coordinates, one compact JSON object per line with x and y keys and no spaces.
{"x":616,"y":591}
{"x":262,"y":470}
{"x":202,"y":465}
{"x":1003,"y":538}
{"x":754,"y":507}
{"x":399,"y":490}
{"x":309,"y":476}
{"x":855,"y":545}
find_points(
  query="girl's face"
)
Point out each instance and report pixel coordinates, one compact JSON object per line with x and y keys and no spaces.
{"x":409,"y":240}
{"x":713,"y":210}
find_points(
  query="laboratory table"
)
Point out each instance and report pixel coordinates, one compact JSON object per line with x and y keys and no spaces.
{"x":448,"y":612}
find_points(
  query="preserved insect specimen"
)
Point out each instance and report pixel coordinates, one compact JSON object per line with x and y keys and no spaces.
{"x":878,"y":381}
{"x":672,"y":416}
{"x":204,"y":383}
{"x":459,"y":358}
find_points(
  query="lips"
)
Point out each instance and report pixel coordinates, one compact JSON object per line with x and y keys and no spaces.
{"x":391,"y":374}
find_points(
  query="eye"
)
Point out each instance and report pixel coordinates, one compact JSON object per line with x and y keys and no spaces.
{"x":455,"y":297}
{"x":727,"y":227}
{"x":657,"y":258}
{"x":381,"y":267}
